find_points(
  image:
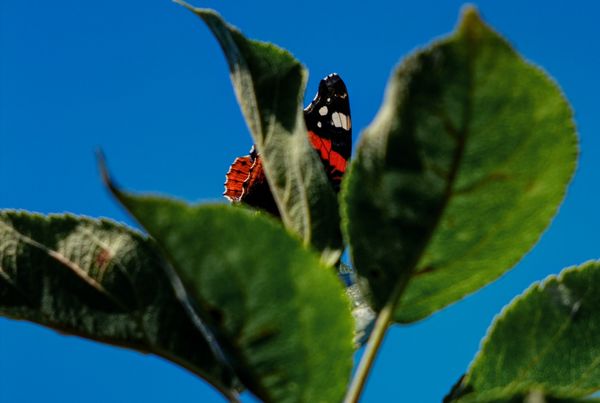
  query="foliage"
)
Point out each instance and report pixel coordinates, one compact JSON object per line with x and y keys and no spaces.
{"x":453,"y":182}
{"x":558,"y":348}
{"x":98,"y":279}
{"x":258,"y":293}
{"x":469,"y":133}
{"x":269,"y":84}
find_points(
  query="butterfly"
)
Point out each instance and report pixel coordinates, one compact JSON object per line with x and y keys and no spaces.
{"x":329,"y":127}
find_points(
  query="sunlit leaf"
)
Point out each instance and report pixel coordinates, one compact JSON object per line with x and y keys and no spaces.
{"x":547,"y":340}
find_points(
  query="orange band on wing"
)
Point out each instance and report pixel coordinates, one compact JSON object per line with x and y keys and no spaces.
{"x":330,"y":157}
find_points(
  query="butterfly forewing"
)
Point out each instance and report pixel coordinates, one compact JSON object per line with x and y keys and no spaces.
{"x":329,"y":126}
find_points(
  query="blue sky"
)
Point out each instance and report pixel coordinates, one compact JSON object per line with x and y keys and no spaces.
{"x":147,"y":83}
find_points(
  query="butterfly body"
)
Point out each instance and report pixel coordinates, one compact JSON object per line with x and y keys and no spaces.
{"x":329,"y":128}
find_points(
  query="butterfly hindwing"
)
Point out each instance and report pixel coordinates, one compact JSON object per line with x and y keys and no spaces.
{"x":246,"y":182}
{"x":235,"y":178}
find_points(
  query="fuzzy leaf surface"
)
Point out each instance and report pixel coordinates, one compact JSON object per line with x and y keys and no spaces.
{"x":269,"y":84}
{"x":280,"y":314}
{"x":547,"y":340}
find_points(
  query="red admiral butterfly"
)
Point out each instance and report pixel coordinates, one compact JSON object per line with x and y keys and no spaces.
{"x":329,"y":127}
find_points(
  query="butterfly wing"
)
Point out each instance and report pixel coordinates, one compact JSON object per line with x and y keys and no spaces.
{"x":329,"y":126}
{"x":235,"y":178}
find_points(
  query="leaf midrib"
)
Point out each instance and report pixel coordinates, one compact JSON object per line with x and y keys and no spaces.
{"x":460,"y":137}
{"x":66,"y":262}
{"x":493,"y":230}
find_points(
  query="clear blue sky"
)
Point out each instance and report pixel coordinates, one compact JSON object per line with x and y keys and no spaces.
{"x":145,"y":81}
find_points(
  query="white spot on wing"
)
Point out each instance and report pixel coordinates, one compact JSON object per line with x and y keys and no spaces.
{"x":319,"y":124}
{"x":323,"y":111}
{"x":341,"y":120}
{"x":345,"y":121}
{"x":335,"y":118}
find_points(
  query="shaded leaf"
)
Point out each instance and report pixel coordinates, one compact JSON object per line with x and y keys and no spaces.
{"x":269,"y":84}
{"x":547,"y":339}
{"x":99,"y":280}
{"x":460,"y":172}
{"x":281,"y":314}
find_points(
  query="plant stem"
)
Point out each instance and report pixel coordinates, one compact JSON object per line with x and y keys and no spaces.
{"x":368,"y":358}
{"x":381,"y":325}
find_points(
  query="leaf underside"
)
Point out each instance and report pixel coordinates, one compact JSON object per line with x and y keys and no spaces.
{"x":99,"y":280}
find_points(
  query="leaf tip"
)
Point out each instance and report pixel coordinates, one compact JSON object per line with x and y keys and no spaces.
{"x":105,"y":174}
{"x":101,"y":160}
{"x":185,"y":4}
{"x":470,"y":22}
{"x":196,"y":10}
{"x":469,"y":13}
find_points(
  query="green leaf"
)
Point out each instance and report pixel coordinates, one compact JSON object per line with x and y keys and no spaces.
{"x":269,"y":84}
{"x":459,"y":174}
{"x":281,"y":314}
{"x":99,"y":280}
{"x":547,"y":340}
